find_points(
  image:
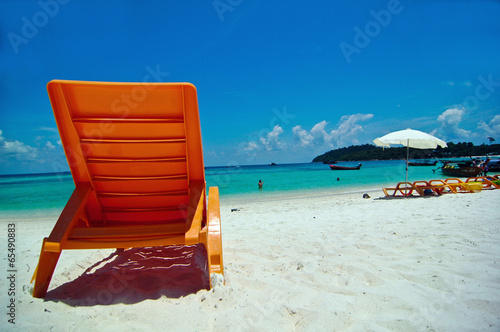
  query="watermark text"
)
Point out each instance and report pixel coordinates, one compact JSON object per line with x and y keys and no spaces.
{"x":11,"y":273}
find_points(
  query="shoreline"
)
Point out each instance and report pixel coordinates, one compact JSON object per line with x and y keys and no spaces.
{"x":250,"y":197}
{"x":278,"y":196}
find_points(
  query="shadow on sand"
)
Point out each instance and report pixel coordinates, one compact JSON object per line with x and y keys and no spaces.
{"x":134,"y":275}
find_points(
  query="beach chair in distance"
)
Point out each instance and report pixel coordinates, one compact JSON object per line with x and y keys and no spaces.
{"x":485,"y":181}
{"x":437,"y":187}
{"x":135,"y":154}
{"x":402,"y":189}
{"x":457,"y":184}
{"x":425,"y":189}
{"x":494,"y":178}
{"x":462,"y":186}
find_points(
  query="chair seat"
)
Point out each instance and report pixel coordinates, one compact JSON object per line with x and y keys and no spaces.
{"x":79,"y":233}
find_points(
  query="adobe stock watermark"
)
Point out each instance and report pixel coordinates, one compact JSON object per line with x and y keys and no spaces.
{"x":483,"y":91}
{"x":118,"y":282}
{"x":31,"y":26}
{"x":372,"y":29}
{"x":223,"y":6}
{"x":11,"y":273}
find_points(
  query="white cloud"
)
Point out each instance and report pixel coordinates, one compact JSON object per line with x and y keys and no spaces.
{"x":275,"y":143}
{"x":15,"y":150}
{"x":492,"y":128}
{"x":345,"y":133}
{"x":18,"y":157}
{"x":450,"y":121}
{"x":271,"y":141}
{"x":348,"y":128}
{"x":319,"y":133}
{"x":451,"y":116}
{"x":302,"y":135}
{"x":265,"y":140}
{"x":250,"y":146}
{"x":316,"y":136}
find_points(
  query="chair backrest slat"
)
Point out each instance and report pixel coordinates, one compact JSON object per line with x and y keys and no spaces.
{"x":137,"y":144}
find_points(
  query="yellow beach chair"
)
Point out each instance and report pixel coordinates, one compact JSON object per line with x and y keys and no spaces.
{"x":135,"y":154}
{"x":485,"y":182}
{"x":463,"y":187}
{"x":457,"y":184}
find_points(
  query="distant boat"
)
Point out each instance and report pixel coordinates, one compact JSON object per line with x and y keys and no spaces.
{"x":330,"y":162}
{"x":464,"y":171}
{"x":272,"y":164}
{"x":424,"y":163}
{"x":344,"y":168}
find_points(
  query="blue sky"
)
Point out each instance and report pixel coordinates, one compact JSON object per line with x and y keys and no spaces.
{"x":279,"y":81}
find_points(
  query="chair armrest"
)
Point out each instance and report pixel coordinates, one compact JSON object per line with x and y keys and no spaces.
{"x":214,"y":236}
{"x":69,"y":216}
{"x":195,"y":212}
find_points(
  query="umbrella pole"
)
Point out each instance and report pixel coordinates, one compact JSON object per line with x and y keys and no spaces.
{"x":407,"y":156}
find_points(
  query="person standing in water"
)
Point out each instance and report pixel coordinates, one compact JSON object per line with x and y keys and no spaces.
{"x":260,"y":184}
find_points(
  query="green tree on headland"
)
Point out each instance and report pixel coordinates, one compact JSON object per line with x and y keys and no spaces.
{"x":372,"y":152}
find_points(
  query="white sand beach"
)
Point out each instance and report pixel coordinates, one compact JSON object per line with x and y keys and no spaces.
{"x":338,"y":263}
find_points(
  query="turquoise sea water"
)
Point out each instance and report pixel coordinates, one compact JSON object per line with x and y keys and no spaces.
{"x":37,"y":192}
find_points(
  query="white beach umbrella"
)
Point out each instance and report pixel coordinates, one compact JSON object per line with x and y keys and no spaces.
{"x":411,"y":139}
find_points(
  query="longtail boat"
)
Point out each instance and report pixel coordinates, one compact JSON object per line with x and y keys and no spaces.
{"x":344,"y":168}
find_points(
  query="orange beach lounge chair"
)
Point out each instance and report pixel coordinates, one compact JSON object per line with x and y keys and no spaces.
{"x":135,"y":154}
{"x":420,"y":188}
{"x":437,"y":187}
{"x":402,"y":189}
{"x":458,"y":185}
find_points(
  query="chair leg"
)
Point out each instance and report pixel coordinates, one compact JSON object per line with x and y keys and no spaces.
{"x":45,"y":269}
